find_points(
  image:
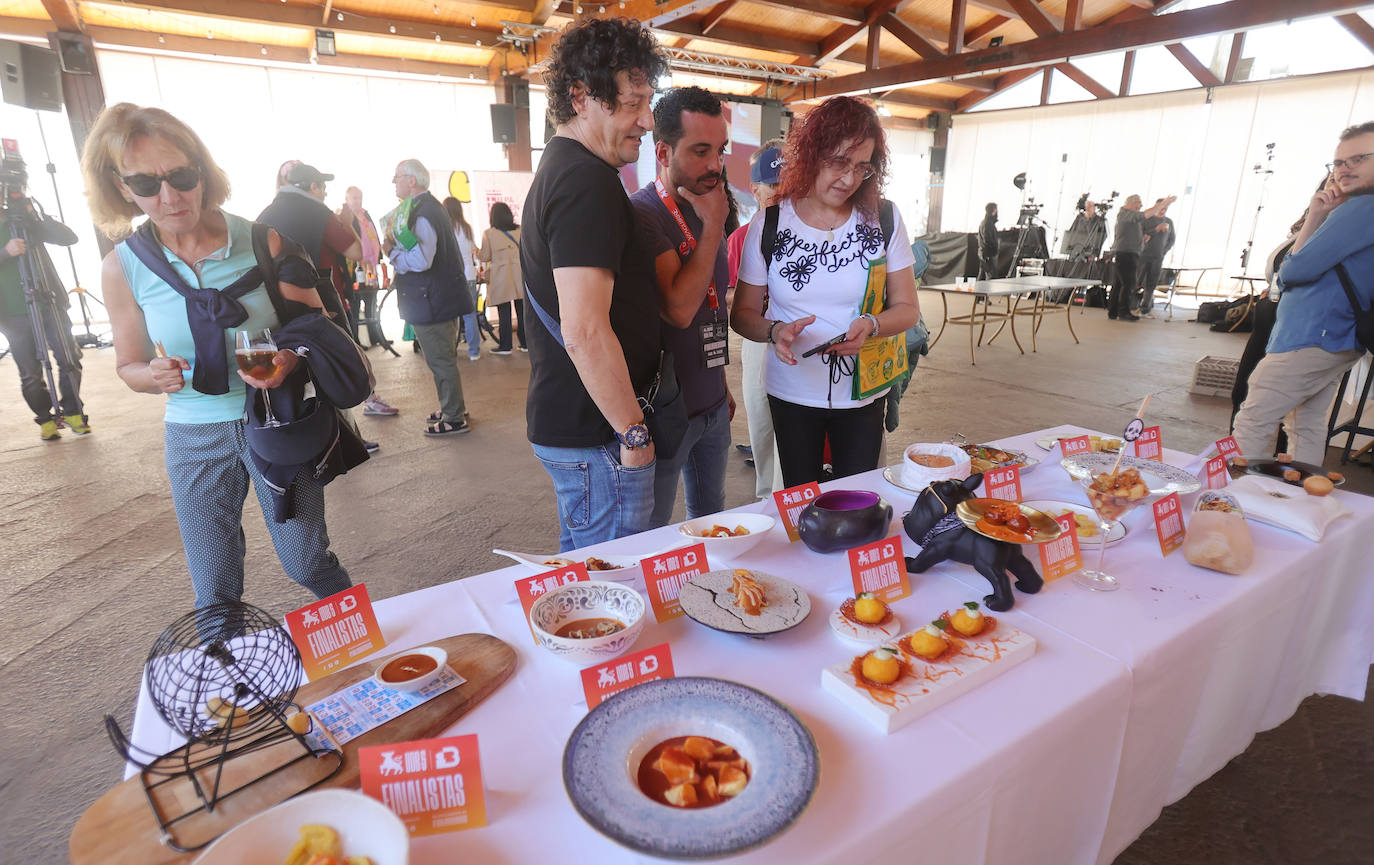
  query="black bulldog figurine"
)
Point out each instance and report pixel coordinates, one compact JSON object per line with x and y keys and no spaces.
{"x":934,"y":525}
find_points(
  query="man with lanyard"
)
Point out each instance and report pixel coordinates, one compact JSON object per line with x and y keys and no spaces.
{"x":682,"y":224}
{"x":594,"y":341}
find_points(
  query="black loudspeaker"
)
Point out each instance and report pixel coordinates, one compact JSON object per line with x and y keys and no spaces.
{"x":30,"y":76}
{"x":937,"y":160}
{"x":770,"y":120}
{"x":75,"y":54}
{"x":518,"y":92}
{"x":503,"y":124}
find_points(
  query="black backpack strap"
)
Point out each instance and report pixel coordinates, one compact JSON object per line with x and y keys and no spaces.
{"x":271,"y":279}
{"x":1350,"y":290}
{"x":770,"y":233}
{"x":886,"y":220}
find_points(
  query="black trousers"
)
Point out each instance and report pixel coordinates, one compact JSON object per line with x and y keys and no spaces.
{"x":1123,"y":283}
{"x":801,"y":431}
{"x":503,"y":324}
{"x":32,"y":381}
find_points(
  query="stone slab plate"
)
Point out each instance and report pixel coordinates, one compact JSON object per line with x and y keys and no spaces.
{"x":707,"y":599}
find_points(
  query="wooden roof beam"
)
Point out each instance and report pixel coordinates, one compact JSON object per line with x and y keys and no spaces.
{"x":1358,"y":27}
{"x":909,"y":37}
{"x":1084,"y":80}
{"x":656,"y":13}
{"x":1009,"y":8}
{"x":745,"y":38}
{"x":1073,"y":15}
{"x":874,"y":48}
{"x":818,"y":8}
{"x":1139,"y":31}
{"x":1030,"y":12}
{"x":973,"y":34}
{"x":1233,"y":60}
{"x":834,"y":45}
{"x":1204,"y":76}
{"x":712,"y":17}
{"x":917,"y":100}
{"x":958,"y":12}
{"x":1127,"y":71}
{"x":307,"y":18}
{"x":65,"y":15}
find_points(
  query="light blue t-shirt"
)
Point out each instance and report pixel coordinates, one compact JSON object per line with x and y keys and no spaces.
{"x":164,"y":316}
{"x":1314,"y":310}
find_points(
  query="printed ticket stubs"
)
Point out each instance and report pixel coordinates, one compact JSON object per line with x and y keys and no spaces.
{"x":530,"y":588}
{"x":664,"y":575}
{"x":1062,"y":555}
{"x":1003,"y":483}
{"x":790,"y":503}
{"x":433,"y":785}
{"x":609,"y":678}
{"x":1169,"y":523}
{"x":880,"y":568}
{"x":334,"y":632}
{"x":1228,"y":447}
{"x":1148,"y":446}
{"x":1075,"y":445}
{"x":1217,"y":475}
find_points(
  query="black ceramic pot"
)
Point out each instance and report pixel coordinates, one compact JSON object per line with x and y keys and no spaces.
{"x":843,"y":519}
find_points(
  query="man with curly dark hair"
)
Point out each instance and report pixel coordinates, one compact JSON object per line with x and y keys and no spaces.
{"x":594,"y":346}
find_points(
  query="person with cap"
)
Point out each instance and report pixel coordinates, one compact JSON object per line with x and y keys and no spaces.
{"x":299,"y":212}
{"x":765,"y":169}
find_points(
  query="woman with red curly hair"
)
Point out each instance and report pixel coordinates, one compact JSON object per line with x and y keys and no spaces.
{"x":809,"y":290}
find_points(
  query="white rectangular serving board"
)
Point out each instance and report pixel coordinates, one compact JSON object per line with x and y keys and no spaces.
{"x":933,"y":684}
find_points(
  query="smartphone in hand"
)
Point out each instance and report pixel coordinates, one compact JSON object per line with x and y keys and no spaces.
{"x":825,"y":345}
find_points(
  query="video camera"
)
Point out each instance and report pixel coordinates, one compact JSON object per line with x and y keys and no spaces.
{"x":1029,"y":211}
{"x":1100,"y":206}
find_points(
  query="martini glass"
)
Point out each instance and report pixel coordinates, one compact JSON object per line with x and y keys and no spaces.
{"x":1112,"y":496}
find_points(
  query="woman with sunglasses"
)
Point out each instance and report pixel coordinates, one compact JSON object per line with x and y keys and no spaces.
{"x":809,"y":291}
{"x":145,"y":162}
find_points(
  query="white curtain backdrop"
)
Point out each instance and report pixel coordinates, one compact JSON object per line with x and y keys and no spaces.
{"x":1163,"y":144}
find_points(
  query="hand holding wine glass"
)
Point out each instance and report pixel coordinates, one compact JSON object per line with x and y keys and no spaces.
{"x":262,"y":365}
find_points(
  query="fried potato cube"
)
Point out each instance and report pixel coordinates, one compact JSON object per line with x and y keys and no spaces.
{"x":724,"y":751}
{"x":698,"y":748}
{"x":732,"y":781}
{"x":718,"y":766}
{"x":677,"y":765}
{"x":708,"y":787}
{"x":315,"y":841}
{"x":1291,"y":474}
{"x":683,"y":795}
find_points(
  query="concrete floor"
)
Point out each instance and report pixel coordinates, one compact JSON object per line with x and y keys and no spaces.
{"x":92,"y":569}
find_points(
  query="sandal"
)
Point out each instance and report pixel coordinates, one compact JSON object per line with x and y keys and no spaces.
{"x":435,"y":417}
{"x":444,"y":428}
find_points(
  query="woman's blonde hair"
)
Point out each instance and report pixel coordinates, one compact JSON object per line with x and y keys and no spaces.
{"x":115,"y":129}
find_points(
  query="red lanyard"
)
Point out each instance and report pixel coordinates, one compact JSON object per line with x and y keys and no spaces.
{"x":670,"y":203}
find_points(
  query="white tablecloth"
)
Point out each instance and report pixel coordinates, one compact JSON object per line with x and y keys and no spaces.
{"x":1132,"y":698}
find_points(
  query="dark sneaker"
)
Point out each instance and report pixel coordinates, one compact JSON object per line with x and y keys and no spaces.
{"x":372,"y":447}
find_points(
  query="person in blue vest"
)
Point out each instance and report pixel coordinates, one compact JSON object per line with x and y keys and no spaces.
{"x":431,"y":289}
{"x":176,"y":338}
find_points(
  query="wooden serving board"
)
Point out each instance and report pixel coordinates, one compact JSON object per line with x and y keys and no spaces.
{"x":120,"y":829}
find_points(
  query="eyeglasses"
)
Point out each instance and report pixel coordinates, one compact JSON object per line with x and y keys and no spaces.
{"x":1352,"y":162}
{"x":844,"y":166}
{"x":182,"y":179}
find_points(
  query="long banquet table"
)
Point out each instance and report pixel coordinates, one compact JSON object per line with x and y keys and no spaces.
{"x":1131,"y":699}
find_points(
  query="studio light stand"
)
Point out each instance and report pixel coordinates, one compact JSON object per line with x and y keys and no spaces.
{"x":1264,"y":169}
{"x":87,"y":339}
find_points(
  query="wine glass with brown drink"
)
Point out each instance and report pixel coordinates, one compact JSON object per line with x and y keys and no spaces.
{"x":254,"y":350}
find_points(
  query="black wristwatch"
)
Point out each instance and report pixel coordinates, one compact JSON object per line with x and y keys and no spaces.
{"x":636,"y":436}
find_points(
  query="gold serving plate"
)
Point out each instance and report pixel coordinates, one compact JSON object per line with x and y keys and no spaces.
{"x":1044,"y":528}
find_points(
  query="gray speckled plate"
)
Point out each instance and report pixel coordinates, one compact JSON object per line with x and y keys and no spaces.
{"x":706,"y":599}
{"x":614,"y":737}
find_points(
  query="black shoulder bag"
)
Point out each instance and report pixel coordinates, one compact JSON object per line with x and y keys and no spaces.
{"x":1364,"y":318}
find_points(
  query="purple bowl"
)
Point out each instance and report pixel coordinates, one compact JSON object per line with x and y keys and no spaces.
{"x":843,"y":519}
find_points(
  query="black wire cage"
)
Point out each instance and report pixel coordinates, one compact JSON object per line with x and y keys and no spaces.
{"x":224,"y":677}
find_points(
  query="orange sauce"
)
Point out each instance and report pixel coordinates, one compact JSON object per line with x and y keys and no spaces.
{"x":408,"y":667}
{"x":586,"y":629}
{"x":888,"y":694}
{"x":933,"y":461}
{"x":654,"y":783}
{"x":1002,"y":533}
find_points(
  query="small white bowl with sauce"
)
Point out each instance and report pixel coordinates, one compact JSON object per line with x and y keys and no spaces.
{"x":755,"y":526}
{"x":588,"y":607}
{"x":412,"y":669}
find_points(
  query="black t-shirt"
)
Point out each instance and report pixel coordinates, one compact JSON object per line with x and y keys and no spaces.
{"x":577,"y":215}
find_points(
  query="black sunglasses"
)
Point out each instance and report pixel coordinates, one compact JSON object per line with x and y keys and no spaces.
{"x":182,"y":179}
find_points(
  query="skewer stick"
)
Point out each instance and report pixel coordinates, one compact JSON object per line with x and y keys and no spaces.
{"x":161,"y":352}
{"x":1140,"y":413}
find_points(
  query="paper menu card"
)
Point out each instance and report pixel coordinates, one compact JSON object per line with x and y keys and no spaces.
{"x":603,"y":680}
{"x":527,"y":589}
{"x":664,"y":575}
{"x":433,"y":785}
{"x":345,"y":715}
{"x":791,"y":502}
{"x":880,"y":568}
{"x":1062,"y":555}
{"x":333,"y":632}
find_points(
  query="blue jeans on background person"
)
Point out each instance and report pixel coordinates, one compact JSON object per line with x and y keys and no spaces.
{"x":701,"y":461}
{"x":473,"y":335}
{"x":598,"y":498}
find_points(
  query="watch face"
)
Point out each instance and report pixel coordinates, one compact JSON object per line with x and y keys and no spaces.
{"x":637,"y":436}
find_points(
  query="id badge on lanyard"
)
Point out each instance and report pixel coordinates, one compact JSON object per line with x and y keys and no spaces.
{"x":714,"y":335}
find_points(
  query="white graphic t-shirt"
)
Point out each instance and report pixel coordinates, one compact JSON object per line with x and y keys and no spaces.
{"x":820,"y":273}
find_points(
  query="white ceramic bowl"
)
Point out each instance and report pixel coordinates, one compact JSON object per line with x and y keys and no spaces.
{"x":419,"y":681}
{"x":589,"y":599}
{"x":728,"y":548}
{"x":366,"y":827}
{"x":918,"y":476}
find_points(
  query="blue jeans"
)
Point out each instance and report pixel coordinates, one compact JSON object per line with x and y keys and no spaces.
{"x":209,"y":468}
{"x":472,"y":334}
{"x":701,"y":461}
{"x":598,"y":498}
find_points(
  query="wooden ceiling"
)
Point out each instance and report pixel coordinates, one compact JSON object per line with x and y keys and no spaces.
{"x":916,"y":56}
